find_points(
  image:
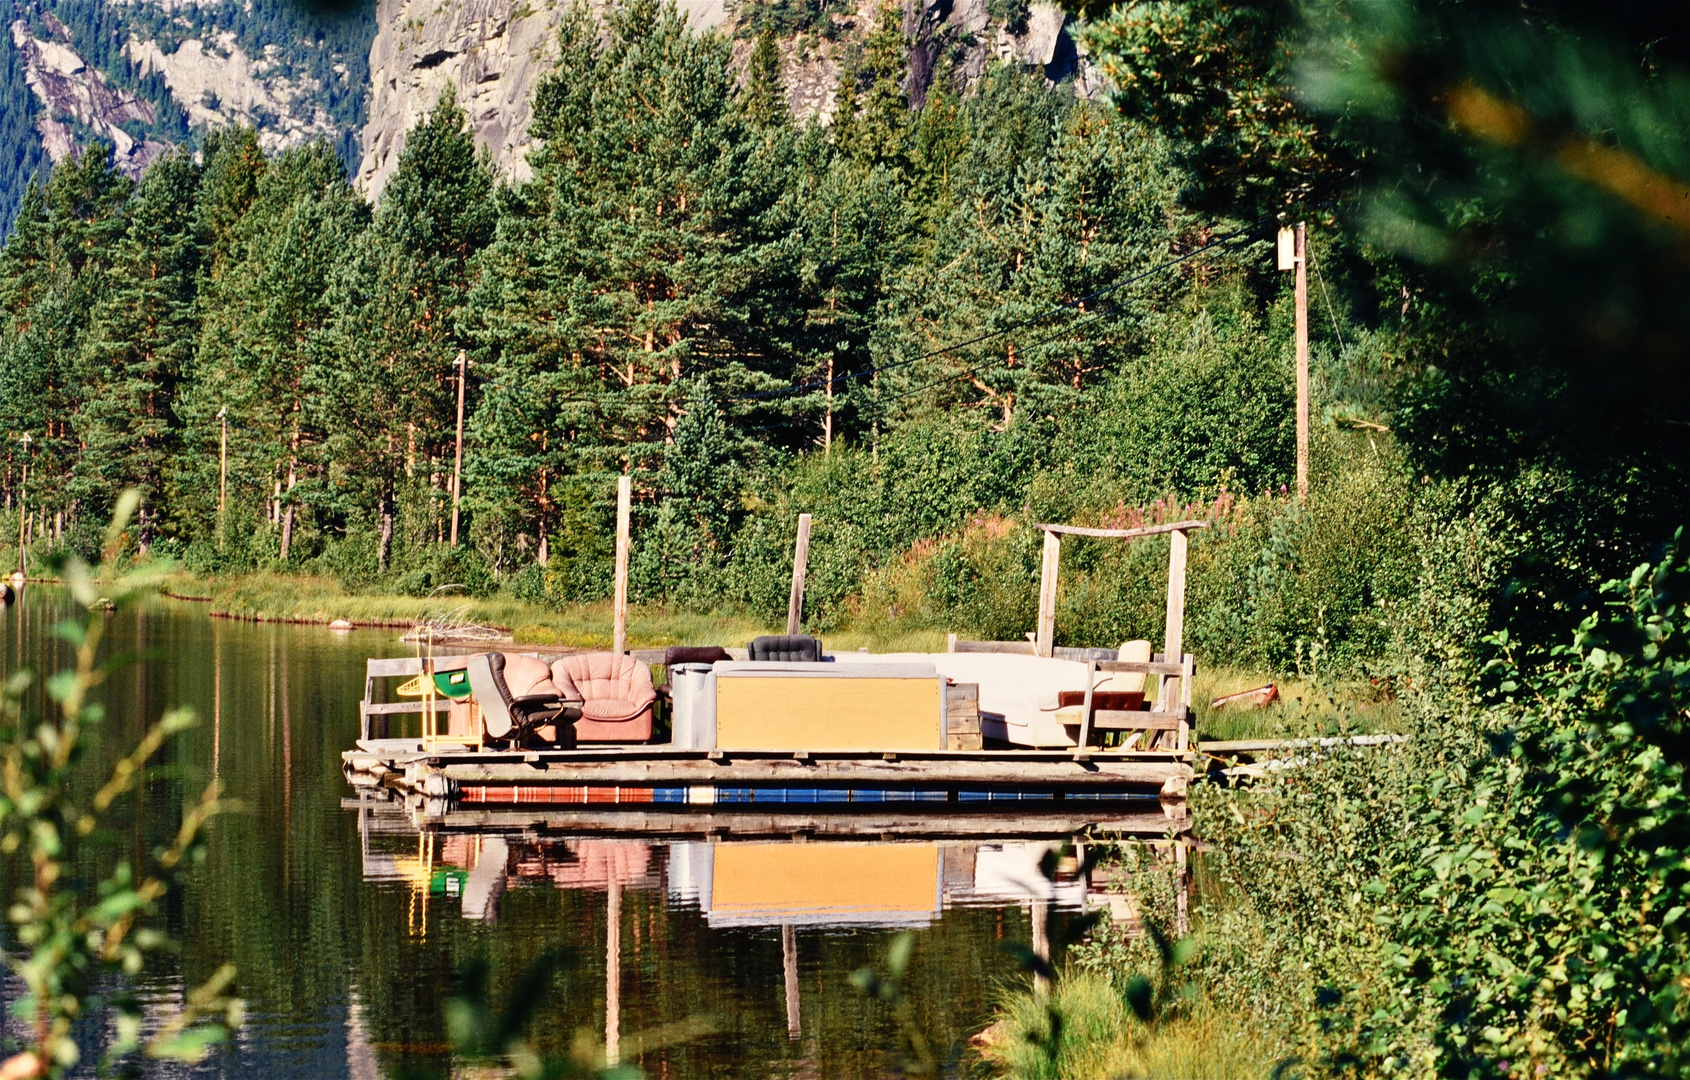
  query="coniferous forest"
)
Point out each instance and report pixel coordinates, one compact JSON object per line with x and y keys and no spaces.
{"x":933,"y":326}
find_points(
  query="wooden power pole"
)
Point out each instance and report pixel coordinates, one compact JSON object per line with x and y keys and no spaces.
{"x":1293,"y":255}
{"x":23,"y":504}
{"x":223,"y":477}
{"x":619,"y":602}
{"x":800,"y":564}
{"x":458,"y":459}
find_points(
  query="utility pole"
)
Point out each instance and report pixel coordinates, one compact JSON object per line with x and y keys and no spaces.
{"x":619,"y":604}
{"x":458,"y":461}
{"x":1293,"y":255}
{"x":23,"y":505}
{"x":222,"y":477}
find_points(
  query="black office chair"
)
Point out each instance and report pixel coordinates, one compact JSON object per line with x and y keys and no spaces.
{"x":510,"y":719}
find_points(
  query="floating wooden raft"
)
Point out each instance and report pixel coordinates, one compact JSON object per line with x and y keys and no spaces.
{"x":646,"y":775}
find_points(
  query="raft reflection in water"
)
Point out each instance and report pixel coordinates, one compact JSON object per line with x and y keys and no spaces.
{"x":734,"y":882}
{"x":742,"y":877}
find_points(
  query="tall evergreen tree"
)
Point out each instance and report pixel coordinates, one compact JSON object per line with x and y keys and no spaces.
{"x":764,"y":96}
{"x":642,"y":251}
{"x":383,"y":376}
{"x":263,"y":312}
{"x":54,"y":271}
{"x":139,"y":346}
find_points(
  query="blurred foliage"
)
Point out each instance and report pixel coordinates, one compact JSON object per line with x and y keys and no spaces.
{"x":82,"y":940}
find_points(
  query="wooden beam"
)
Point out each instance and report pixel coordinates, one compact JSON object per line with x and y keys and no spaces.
{"x":613,"y":970}
{"x":1302,"y":298}
{"x":458,"y":455}
{"x":1017,"y":648}
{"x":789,"y":966}
{"x":1124,"y":534}
{"x":1056,"y":820}
{"x":1141,"y":667}
{"x":624,"y":507}
{"x":800,"y":559}
{"x":1113,"y":771}
{"x":1085,"y":706}
{"x":1045,"y":639}
{"x":1174,"y":638}
{"x":1136,"y":720}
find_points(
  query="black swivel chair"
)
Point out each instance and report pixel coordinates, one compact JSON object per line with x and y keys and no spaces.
{"x":509,"y":718}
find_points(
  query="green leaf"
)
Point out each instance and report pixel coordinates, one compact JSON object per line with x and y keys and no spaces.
{"x":1141,"y":998}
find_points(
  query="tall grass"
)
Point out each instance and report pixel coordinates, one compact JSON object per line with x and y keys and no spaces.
{"x":1096,"y":1036}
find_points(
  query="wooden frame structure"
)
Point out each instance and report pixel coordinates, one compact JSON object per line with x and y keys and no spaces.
{"x":1173,"y":667}
{"x":430,"y":705}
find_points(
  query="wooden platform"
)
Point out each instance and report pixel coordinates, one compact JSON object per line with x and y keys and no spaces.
{"x":656,"y":774}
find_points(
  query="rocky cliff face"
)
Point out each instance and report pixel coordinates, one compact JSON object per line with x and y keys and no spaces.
{"x":75,"y":94}
{"x":144,"y":74}
{"x":217,"y":83}
{"x":492,"y":52}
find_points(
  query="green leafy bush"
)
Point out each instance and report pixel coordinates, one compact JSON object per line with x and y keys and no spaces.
{"x":1500,"y":896}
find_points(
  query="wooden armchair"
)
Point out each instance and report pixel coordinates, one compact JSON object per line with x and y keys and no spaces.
{"x":1170,"y":715}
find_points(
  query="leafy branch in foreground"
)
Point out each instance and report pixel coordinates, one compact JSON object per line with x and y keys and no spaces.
{"x":81,"y":934}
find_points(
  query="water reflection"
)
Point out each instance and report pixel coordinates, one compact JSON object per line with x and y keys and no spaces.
{"x":809,"y":890}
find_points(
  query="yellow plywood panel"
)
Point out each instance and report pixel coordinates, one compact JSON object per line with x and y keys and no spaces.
{"x":808,"y":713}
{"x":798,"y":880}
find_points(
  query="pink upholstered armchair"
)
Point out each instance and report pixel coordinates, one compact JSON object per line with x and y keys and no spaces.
{"x":616,"y":692}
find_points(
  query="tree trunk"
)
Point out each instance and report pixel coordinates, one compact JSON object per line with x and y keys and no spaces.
{"x":385,"y":548}
{"x":287,"y":531}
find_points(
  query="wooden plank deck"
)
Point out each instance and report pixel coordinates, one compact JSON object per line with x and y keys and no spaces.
{"x":401,"y":764}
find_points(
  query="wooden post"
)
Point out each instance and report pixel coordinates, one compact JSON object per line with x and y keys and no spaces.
{"x":624,"y":505}
{"x":789,"y":963}
{"x":800,"y":560}
{"x":1173,"y":641}
{"x":1046,"y":636}
{"x":613,"y":972}
{"x":222,"y":477}
{"x":1302,"y":272}
{"x":458,"y":459}
{"x":23,"y":506}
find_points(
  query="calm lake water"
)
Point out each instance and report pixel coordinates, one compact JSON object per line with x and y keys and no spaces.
{"x":349,"y":924}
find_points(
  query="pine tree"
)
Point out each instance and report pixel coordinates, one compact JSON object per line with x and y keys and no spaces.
{"x":644,"y":250}
{"x":764,"y":96}
{"x":879,"y":132}
{"x":139,"y":346}
{"x":264,"y":311}
{"x":384,"y":376}
{"x":65,"y":234}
